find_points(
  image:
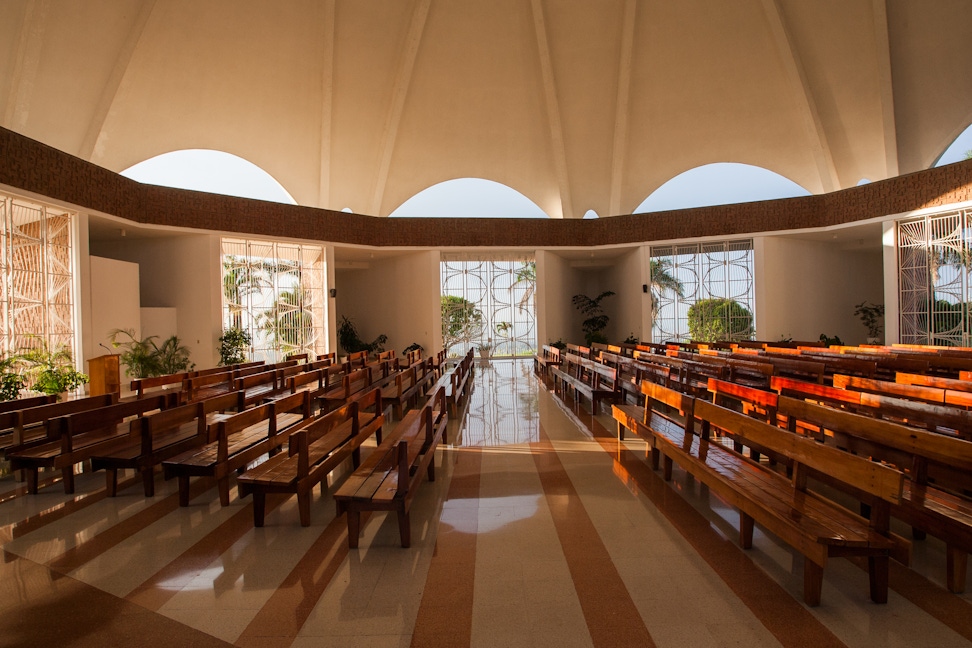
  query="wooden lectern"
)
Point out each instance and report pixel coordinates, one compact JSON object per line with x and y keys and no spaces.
{"x":103,"y":375}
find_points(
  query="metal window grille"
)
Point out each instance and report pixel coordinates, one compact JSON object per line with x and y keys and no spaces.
{"x":685,"y":274}
{"x":275,"y":292}
{"x":37,"y":290}
{"x":489,"y":302}
{"x":934,"y":264}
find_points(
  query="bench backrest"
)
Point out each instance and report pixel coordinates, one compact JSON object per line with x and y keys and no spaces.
{"x":300,"y":441}
{"x":211,"y":382}
{"x":857,"y":472}
{"x":103,"y":418}
{"x":750,"y":400}
{"x":140,"y":385}
{"x":256,"y":380}
{"x":933,"y":381}
{"x":24,"y":403}
{"x":356,"y":381}
{"x":44,"y":413}
{"x":298,"y":357}
{"x":913,"y":392}
{"x":152,"y":426}
{"x":306,"y":378}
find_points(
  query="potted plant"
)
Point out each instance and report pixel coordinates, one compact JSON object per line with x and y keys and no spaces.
{"x":870,"y":314}
{"x":11,"y":382}
{"x":233,"y":345}
{"x":352,"y":343}
{"x":50,"y":371}
{"x":596,"y":320}
{"x":485,"y":348}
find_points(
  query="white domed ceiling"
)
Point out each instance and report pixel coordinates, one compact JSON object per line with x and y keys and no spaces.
{"x":576,"y":104}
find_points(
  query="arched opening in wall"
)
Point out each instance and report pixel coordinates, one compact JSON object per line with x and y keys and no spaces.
{"x":211,"y":171}
{"x":469,"y":198}
{"x":720,"y":183}
{"x":863,"y":181}
{"x":590,"y":214}
{"x":960,"y":149}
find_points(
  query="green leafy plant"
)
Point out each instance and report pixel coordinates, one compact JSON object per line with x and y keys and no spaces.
{"x":826,"y":339}
{"x":172,"y":357}
{"x":719,"y":318}
{"x":870,"y":314}
{"x":351,"y":342}
{"x":233,"y":346}
{"x":559,"y":344}
{"x":631,"y":339}
{"x":596,"y":320}
{"x":461,"y":321}
{"x":662,"y":280}
{"x":11,"y":382}
{"x":414,"y":346}
{"x":50,"y":371}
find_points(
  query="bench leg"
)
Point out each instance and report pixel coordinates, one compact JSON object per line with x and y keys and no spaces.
{"x":148,"y":481}
{"x":918,"y":534}
{"x":667,"y":468}
{"x":259,"y":507}
{"x":620,"y":431}
{"x":404,"y":528}
{"x":303,"y":507}
{"x":431,"y":470}
{"x":354,"y":527}
{"x":812,"y":582}
{"x":956,"y":561}
{"x":111,"y":481}
{"x":67,"y":474}
{"x":745,"y":531}
{"x":655,"y":457}
{"x":222,"y":485}
{"x":183,"y":490}
{"x":355,"y":461}
{"x":31,"y":474}
{"x":878,"y":568}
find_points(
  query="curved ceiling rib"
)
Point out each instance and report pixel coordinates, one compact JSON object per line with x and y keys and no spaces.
{"x":618,"y":148}
{"x":553,"y":111}
{"x":880,"y":13}
{"x":793,"y":68}
{"x":107,"y":96}
{"x":30,"y":44}
{"x":327,"y":103}
{"x":397,"y":105}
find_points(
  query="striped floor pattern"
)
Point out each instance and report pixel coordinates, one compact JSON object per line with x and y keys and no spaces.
{"x":541,"y":529}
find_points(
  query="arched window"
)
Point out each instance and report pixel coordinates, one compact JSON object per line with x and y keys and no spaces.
{"x":211,"y":171}
{"x":960,"y":149}
{"x":720,"y":183}
{"x":469,"y":198}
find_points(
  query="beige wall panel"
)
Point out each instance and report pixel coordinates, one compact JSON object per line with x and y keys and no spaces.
{"x":114,"y":302}
{"x":626,"y":307}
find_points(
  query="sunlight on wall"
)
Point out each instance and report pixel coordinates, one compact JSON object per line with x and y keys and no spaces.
{"x":210,"y":171}
{"x":720,"y":183}
{"x":469,"y":198}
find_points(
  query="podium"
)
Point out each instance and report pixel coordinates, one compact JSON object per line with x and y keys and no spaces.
{"x":103,"y":375}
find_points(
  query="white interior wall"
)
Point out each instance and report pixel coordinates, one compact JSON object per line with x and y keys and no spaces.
{"x":626,"y":307}
{"x":181,"y":272}
{"x":398,"y":297}
{"x":808,"y":287}
{"x":114,"y":290}
{"x":159,"y":321}
{"x":556,"y":284}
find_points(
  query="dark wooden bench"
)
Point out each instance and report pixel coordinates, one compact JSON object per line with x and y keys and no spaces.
{"x":79,"y":436}
{"x":406,"y":388}
{"x":354,"y":383}
{"x":389,"y":477}
{"x":168,"y":383}
{"x":21,"y":420}
{"x":678,"y":429}
{"x":259,"y":387}
{"x":926,"y":393}
{"x":240,"y":439}
{"x":587,"y":378}
{"x":456,"y":383}
{"x":548,"y":357}
{"x":314,"y":449}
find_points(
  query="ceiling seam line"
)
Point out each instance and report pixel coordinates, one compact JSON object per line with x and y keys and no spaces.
{"x":397,"y":105}
{"x":619,"y":149}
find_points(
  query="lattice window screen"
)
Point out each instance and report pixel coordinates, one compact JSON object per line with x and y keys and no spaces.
{"x":934,"y":265}
{"x":703,"y":271}
{"x":37,"y":290}
{"x":502,"y":291}
{"x":275,"y":292}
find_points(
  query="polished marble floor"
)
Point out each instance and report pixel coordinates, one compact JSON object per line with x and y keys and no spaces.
{"x":541,"y":529}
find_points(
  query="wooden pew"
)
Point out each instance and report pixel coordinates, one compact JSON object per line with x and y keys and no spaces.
{"x":678,"y":429}
{"x":354,"y":383}
{"x":240,"y":439}
{"x":389,"y":478}
{"x":548,"y":357}
{"x":79,"y":436}
{"x":588,"y":378}
{"x":260,"y":386}
{"x":168,"y":383}
{"x":314,"y":449}
{"x":21,"y":420}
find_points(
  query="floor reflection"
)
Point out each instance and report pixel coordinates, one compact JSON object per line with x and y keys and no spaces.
{"x":503,"y":406}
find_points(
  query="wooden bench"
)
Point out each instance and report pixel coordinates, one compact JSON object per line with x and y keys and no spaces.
{"x":926,"y":393}
{"x":933,"y":381}
{"x":207,"y":386}
{"x":260,"y":386}
{"x":408,"y":385}
{"x":22,"y":419}
{"x":548,"y":357}
{"x":240,"y":439}
{"x":588,"y":378}
{"x":168,"y":383}
{"x":354,"y":383}
{"x":314,"y":449}
{"x":389,"y":477}
{"x":79,"y":436}
{"x":678,"y":427}
{"x":938,"y":467}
